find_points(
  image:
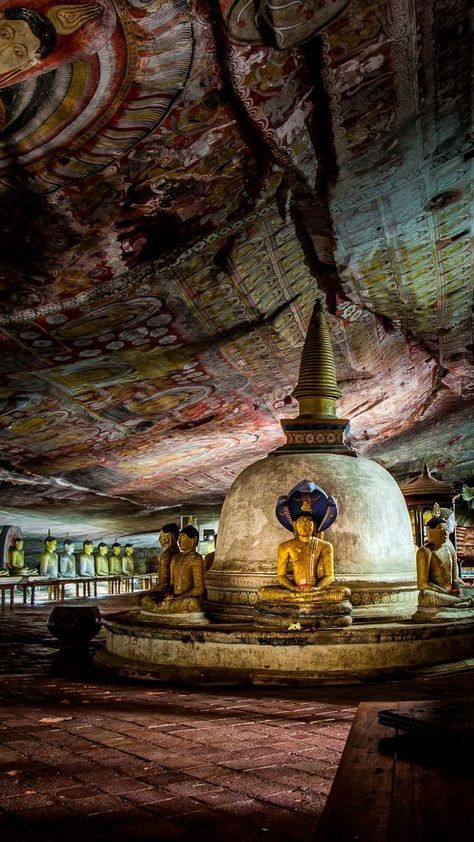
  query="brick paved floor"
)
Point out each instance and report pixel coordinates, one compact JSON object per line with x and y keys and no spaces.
{"x":82,"y":756}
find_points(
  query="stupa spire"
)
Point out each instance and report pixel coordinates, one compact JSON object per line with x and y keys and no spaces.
{"x":317,"y":427}
{"x":317,"y":390}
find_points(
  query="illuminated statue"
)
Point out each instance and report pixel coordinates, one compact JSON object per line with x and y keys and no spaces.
{"x":127,"y":561}
{"x":17,"y":561}
{"x":102,"y":560}
{"x":306,"y":587}
{"x":169,"y":543}
{"x":439,"y":583}
{"x":49,"y":559}
{"x":186,"y":580}
{"x":86,"y":560}
{"x":67,"y":561}
{"x":115,"y":560}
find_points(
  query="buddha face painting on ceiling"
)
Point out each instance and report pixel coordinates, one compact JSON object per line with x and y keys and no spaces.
{"x":35,"y":40}
{"x":70,"y":70}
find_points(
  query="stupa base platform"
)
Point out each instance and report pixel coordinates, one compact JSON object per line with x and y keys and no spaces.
{"x":281,"y":613}
{"x":191,"y":618}
{"x":425,"y":614}
{"x":245,"y":654}
{"x":232,"y":595}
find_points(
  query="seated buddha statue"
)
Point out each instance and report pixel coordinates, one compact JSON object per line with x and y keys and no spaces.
{"x":17,"y":565}
{"x":115,"y":560}
{"x":67,"y":560}
{"x":49,"y":561}
{"x":439,"y":583}
{"x":128,"y":565}
{"x":102,"y":560}
{"x":186,"y":588}
{"x":169,"y":542}
{"x":86,"y":560}
{"x":306,"y":587}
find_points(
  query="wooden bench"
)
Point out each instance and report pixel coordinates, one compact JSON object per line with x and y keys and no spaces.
{"x":145,"y":581}
{"x":8,"y":587}
{"x":56,"y":587}
{"x":392,"y":786}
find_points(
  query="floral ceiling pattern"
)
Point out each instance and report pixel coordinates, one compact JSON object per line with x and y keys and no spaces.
{"x":179,"y":180}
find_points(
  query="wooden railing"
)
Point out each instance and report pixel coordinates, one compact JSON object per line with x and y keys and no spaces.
{"x":82,"y":586}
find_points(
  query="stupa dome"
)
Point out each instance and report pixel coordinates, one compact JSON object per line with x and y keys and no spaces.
{"x":372,"y":537}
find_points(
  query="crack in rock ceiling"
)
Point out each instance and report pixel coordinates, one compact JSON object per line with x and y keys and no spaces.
{"x":179,"y":180}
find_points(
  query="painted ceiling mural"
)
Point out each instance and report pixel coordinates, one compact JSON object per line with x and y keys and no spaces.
{"x":179,"y":179}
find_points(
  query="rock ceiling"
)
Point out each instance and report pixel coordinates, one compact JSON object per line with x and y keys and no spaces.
{"x":179,"y":180}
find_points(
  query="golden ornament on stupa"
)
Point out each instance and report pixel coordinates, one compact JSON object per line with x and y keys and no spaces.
{"x":317,"y":427}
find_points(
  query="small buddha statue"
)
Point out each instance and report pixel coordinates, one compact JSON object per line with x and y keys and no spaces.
{"x":438,"y":579}
{"x":169,"y":543}
{"x":17,"y":565}
{"x":49,"y":561}
{"x":67,"y":560}
{"x":102,"y":560}
{"x":307,"y":592}
{"x":210,"y":556}
{"x":86,"y":560}
{"x":115,"y":560}
{"x":186,"y":589}
{"x":128,"y":567}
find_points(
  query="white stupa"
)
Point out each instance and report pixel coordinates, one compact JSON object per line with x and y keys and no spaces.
{"x":372,"y":536}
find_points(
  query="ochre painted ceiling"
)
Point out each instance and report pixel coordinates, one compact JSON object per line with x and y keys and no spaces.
{"x":179,"y":180}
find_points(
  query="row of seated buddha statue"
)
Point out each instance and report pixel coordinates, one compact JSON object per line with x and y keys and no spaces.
{"x":51,"y":565}
{"x":180,"y":568}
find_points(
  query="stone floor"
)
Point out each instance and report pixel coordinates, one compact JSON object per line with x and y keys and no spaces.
{"x":83,"y":756}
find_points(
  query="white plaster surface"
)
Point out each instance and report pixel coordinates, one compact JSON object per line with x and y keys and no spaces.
{"x":372,"y":535}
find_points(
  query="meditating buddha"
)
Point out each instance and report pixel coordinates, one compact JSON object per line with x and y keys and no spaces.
{"x":86,"y":560}
{"x":115,"y":560}
{"x":439,"y":583}
{"x":306,"y":590}
{"x":67,"y":560}
{"x":17,"y":561}
{"x":128,"y":565}
{"x":49,"y":561}
{"x":186,"y":590}
{"x":169,"y":542}
{"x":102,"y":560}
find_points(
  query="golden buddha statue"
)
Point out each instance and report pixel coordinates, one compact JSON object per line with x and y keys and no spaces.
{"x":67,"y":560}
{"x":307,"y":591}
{"x":86,"y":560}
{"x":186,"y":590}
{"x":439,"y":582}
{"x":102,"y":560}
{"x":128,"y":566}
{"x":49,"y":561}
{"x":17,"y":561}
{"x":310,"y":558}
{"x":115,"y":560}
{"x":169,"y":543}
